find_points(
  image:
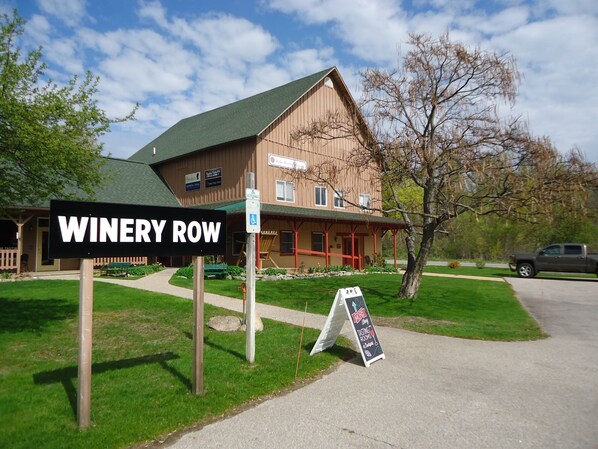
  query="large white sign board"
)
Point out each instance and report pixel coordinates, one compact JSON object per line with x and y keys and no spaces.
{"x":349,"y":303}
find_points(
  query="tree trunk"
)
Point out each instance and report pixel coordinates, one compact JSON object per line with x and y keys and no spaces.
{"x":415,"y":264}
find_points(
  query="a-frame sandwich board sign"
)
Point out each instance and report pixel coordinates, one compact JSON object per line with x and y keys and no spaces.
{"x":349,"y":303}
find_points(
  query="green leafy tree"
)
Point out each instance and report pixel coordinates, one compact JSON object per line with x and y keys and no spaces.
{"x":49,"y":133}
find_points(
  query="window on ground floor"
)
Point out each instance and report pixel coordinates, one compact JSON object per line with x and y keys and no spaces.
{"x":317,"y":241}
{"x":287,"y":242}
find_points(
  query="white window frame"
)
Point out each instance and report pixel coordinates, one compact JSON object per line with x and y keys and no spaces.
{"x":285,"y":186}
{"x":324,"y":196}
{"x":365,"y":201}
{"x":339,"y":199}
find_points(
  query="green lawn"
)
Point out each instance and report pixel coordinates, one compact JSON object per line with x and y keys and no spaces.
{"x":445,"y":306}
{"x":142,"y":365}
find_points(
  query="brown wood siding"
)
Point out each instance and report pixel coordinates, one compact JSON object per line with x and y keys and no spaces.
{"x":234,"y":159}
{"x":276,"y":140}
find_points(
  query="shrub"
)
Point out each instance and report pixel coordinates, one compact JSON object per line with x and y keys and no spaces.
{"x":384,"y":269}
{"x":454,"y":264}
{"x":186,"y":272}
{"x":379,"y":260}
{"x":274,"y":271}
{"x":233,"y":270}
{"x":480,"y":264}
{"x":144,"y":270}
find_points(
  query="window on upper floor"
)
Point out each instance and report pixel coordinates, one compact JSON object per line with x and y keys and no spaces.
{"x":287,"y":242}
{"x":285,"y":191}
{"x":339,"y":200}
{"x":365,"y":201}
{"x":321,"y":196}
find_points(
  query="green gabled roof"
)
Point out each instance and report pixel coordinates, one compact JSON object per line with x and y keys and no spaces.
{"x":133,"y":182}
{"x":236,"y":121}
{"x":125,"y":182}
{"x":283,"y":212}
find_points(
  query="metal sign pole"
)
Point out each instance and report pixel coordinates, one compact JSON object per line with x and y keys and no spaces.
{"x":198,"y":328}
{"x":85,"y":340}
{"x":250,"y":271}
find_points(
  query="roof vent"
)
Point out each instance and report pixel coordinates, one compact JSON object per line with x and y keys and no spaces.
{"x":328,"y":82}
{"x":154,"y":151}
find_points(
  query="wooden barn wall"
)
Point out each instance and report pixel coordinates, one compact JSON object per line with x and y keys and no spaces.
{"x":234,"y":159}
{"x":276,"y":140}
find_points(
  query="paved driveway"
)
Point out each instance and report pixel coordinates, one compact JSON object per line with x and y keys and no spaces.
{"x":438,"y":392}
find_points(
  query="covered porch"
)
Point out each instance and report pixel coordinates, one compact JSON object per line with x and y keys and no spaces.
{"x":300,"y":238}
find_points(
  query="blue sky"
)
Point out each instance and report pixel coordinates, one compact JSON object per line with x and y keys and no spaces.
{"x":177,"y":58}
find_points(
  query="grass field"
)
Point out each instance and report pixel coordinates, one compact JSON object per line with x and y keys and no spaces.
{"x":142,"y":365}
{"x":445,"y":306}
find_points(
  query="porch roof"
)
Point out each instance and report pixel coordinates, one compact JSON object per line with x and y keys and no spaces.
{"x":327,"y":215}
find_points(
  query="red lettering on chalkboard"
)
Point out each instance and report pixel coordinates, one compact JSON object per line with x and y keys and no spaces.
{"x":359,"y":315}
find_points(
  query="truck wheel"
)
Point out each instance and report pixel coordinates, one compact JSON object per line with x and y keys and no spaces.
{"x":526,"y":270}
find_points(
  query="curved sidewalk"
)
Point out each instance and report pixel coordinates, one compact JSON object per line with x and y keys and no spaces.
{"x":159,"y":282}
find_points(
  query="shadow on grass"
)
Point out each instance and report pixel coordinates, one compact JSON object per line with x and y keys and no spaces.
{"x":237,"y":354}
{"x":33,"y":315}
{"x":66,"y":376}
{"x":343,"y":353}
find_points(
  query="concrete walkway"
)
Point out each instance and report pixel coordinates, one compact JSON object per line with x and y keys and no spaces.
{"x":159,"y":282}
{"x":431,"y":391}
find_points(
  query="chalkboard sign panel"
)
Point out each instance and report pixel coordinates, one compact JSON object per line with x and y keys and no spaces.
{"x":365,"y":333}
{"x":349,"y":303}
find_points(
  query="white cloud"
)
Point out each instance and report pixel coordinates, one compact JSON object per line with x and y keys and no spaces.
{"x":71,"y":12}
{"x":135,"y":64}
{"x":303,"y":62}
{"x":559,"y":59}
{"x":371,"y":28}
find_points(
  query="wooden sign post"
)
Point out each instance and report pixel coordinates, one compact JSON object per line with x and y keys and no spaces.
{"x":198,"y":314}
{"x":87,"y":230}
{"x":85,"y":343}
{"x":349,"y":303}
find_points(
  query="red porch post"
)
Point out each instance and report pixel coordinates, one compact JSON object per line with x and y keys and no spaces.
{"x":326,"y":228}
{"x":295,"y":227}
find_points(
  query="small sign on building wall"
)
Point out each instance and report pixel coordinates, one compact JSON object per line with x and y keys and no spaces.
{"x":193,"y":181}
{"x":213,"y":177}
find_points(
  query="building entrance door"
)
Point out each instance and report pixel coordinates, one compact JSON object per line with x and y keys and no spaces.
{"x":43,"y":261}
{"x":347,"y":250}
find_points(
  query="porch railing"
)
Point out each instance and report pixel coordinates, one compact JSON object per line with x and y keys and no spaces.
{"x":8,"y":259}
{"x":100,"y":261}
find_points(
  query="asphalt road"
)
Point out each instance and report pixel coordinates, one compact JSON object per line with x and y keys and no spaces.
{"x":437,"y":392}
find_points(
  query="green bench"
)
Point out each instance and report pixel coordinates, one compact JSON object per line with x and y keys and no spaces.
{"x":214,"y":270}
{"x":115,"y":269}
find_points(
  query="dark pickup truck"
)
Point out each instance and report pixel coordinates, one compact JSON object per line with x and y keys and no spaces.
{"x":560,"y":257}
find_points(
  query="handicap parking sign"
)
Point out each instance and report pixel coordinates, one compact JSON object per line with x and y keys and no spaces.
{"x":252,"y":216}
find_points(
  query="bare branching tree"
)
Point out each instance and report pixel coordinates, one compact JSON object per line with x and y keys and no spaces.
{"x":438,"y":124}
